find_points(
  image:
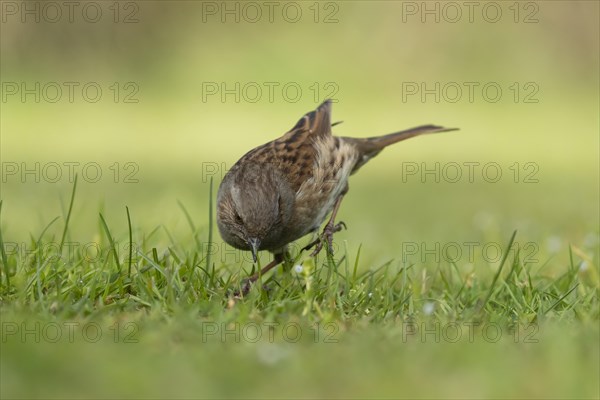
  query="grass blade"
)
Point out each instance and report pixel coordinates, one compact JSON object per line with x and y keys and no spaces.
{"x":64,"y":234}
{"x":557,"y":302}
{"x":190,"y":223}
{"x":504,"y":257}
{"x":112,"y":242}
{"x":130,"y":242}
{"x":3,"y":253}
{"x":355,"y":269}
{"x":210,"y":223}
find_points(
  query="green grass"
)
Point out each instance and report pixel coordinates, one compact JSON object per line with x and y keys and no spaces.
{"x":145,"y":320}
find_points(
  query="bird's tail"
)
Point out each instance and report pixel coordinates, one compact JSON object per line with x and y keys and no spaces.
{"x":379,"y":142}
{"x":370,"y":147}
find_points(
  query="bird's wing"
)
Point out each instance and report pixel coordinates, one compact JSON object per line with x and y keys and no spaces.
{"x":294,"y":153}
{"x":313,"y":124}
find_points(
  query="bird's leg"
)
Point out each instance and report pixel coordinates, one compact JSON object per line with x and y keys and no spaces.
{"x":330,"y":228}
{"x":277,"y":259}
{"x":247,"y":283}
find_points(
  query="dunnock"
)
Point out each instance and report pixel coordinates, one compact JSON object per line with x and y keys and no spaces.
{"x":284,"y":189}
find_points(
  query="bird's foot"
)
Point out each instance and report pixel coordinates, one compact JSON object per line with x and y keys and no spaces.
{"x":326,"y":238}
{"x":244,"y":289}
{"x":246,"y":283}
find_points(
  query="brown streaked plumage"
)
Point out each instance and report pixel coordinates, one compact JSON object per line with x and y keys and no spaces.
{"x":284,"y":189}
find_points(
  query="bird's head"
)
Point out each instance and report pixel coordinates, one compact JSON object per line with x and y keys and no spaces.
{"x":253,"y":205}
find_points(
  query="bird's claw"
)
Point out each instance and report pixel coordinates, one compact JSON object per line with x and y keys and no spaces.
{"x":327,"y":237}
{"x":339,"y":226}
{"x":245,"y":286}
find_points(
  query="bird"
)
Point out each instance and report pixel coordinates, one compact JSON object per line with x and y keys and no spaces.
{"x":284,"y":189}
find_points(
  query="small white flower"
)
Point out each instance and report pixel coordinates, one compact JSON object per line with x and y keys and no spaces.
{"x":584,"y":266}
{"x":298,"y":268}
{"x":370,"y":294}
{"x":428,"y":308}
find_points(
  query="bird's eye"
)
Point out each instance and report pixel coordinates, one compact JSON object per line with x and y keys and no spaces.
{"x":238,"y":219}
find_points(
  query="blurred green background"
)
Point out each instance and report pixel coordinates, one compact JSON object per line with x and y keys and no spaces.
{"x":165,"y":57}
{"x":158,"y":134}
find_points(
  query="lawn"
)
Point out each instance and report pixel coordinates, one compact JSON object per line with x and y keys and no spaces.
{"x":440,"y":319}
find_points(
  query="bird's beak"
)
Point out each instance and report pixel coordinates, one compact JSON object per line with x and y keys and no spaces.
{"x":254,"y":245}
